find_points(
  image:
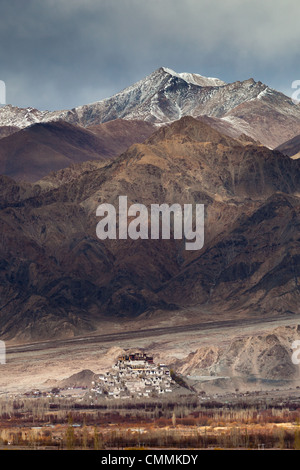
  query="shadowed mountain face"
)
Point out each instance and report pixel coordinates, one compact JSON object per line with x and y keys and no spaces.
{"x":32,"y":153}
{"x":291,"y":147}
{"x":58,"y":279}
{"x":5,"y":131}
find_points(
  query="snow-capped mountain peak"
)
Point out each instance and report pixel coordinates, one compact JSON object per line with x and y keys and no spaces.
{"x":195,"y":78}
{"x":165,"y":96}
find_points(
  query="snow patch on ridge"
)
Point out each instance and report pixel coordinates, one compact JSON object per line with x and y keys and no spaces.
{"x":195,"y":78}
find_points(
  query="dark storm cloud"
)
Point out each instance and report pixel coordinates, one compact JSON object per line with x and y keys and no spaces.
{"x":62,"y":53}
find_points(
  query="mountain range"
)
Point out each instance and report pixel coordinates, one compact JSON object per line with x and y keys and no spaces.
{"x":169,"y":138}
{"x":58,"y":279}
{"x":247,"y":108}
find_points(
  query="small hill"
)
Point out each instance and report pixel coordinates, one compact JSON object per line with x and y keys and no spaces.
{"x":80,"y":379}
{"x":266,"y":356}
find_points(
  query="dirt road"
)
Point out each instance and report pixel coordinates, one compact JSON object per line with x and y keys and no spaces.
{"x":146,"y":333}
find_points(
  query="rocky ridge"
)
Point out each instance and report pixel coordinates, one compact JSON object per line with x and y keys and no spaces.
{"x":58,"y":279}
{"x":165,"y":96}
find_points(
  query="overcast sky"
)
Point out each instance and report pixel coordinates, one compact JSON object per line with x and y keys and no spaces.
{"x":58,"y":54}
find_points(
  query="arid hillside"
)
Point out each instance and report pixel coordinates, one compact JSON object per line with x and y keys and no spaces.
{"x":266,"y":356}
{"x":58,"y":279}
{"x":291,"y":147}
{"x":34,"y":152}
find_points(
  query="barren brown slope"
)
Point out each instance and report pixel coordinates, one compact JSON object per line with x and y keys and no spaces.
{"x":119,"y":134}
{"x":291,"y":147}
{"x":271,"y":119}
{"x":225,"y":127}
{"x":32,"y":153}
{"x":58,"y":279}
